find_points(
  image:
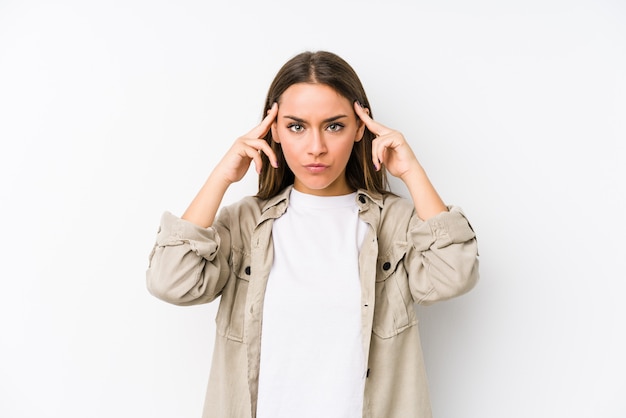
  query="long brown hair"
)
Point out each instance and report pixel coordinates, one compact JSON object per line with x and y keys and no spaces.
{"x":326,"y":68}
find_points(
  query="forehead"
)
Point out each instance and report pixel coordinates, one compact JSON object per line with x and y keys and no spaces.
{"x":312,"y":98}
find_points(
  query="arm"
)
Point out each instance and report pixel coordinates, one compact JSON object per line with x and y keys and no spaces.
{"x":425,"y":198}
{"x":189,"y":261}
{"x":185,"y":265}
{"x":442,"y":260}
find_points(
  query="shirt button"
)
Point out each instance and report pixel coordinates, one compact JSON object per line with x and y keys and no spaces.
{"x":361,"y":198}
{"x":247,"y":270}
{"x":387,"y":265}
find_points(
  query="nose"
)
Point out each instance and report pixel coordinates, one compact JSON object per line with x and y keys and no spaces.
{"x":317,"y":144}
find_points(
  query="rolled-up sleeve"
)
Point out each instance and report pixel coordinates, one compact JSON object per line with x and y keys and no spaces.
{"x":186,"y":265}
{"x":444,"y":259}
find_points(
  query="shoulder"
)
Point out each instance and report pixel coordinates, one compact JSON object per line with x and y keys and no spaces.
{"x":397,"y":213}
{"x":393,"y":200}
{"x":388,"y":204}
{"x":253,"y":208}
{"x":395,"y":205}
{"x":389,"y":213}
{"x":248,"y":205}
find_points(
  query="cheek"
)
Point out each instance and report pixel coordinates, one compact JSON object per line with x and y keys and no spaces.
{"x":349,"y":149}
{"x":344,"y":148}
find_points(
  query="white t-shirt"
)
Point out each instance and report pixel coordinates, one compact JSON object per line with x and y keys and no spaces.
{"x":312,"y":362}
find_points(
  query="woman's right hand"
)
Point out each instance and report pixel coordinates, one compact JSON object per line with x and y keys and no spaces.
{"x":230,"y":169}
{"x":246,"y":149}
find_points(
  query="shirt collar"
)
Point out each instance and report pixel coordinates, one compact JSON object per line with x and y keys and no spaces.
{"x":283,"y":196}
{"x":372,"y":196}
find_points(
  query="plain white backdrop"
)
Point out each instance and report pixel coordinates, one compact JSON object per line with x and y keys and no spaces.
{"x":112,"y":112}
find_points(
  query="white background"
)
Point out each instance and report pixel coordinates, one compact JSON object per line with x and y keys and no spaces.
{"x":114,"y":111}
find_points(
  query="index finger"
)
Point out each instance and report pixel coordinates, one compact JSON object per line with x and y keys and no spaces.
{"x":374,"y":127}
{"x":262,"y":128}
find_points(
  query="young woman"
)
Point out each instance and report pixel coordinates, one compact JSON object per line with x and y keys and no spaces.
{"x":318,"y":273}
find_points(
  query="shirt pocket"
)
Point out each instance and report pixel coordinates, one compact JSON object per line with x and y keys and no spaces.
{"x":394,"y":309}
{"x":230,"y":315}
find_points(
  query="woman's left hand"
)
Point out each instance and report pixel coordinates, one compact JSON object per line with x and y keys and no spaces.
{"x":389,"y":147}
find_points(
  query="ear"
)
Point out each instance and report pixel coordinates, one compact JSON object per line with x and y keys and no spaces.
{"x":360,"y":130}
{"x":275,"y":133}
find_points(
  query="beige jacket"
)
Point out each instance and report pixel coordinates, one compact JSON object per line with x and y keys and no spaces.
{"x":403,"y":261}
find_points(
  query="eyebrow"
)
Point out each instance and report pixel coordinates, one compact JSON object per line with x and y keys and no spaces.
{"x":331,"y":119}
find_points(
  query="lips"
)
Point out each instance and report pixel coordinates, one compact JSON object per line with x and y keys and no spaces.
{"x":316,"y":167}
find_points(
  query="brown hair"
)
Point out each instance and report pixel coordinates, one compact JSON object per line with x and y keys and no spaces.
{"x":326,"y":68}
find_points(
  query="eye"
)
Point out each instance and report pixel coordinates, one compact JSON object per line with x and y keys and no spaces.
{"x":295,"y":127}
{"x":335,"y":127}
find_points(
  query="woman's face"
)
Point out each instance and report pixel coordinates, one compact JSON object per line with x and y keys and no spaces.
{"x":317,"y":128}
